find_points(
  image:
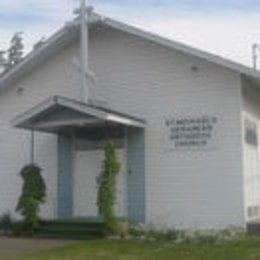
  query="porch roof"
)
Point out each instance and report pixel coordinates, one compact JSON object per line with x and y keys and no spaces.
{"x":57,"y":113}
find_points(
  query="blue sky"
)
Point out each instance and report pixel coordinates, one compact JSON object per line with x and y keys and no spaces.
{"x":224,"y":27}
{"x":26,"y":11}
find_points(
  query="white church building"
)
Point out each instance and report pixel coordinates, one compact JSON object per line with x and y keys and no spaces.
{"x":185,"y":124}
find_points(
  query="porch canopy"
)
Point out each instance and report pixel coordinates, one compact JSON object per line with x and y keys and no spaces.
{"x":57,"y":114}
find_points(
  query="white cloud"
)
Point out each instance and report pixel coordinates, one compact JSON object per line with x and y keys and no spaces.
{"x":224,"y":33}
{"x":229,"y":34}
{"x":35,"y":18}
{"x":52,"y":8}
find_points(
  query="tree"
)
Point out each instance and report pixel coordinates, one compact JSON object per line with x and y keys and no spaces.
{"x":107,"y":187}
{"x":33,"y":195}
{"x":15,"y":51}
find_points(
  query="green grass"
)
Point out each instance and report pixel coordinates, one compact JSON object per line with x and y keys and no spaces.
{"x":244,"y":249}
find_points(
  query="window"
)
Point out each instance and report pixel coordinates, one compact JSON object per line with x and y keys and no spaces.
{"x":96,"y":137}
{"x":250,"y":212}
{"x":253,"y":211}
{"x":251,"y":133}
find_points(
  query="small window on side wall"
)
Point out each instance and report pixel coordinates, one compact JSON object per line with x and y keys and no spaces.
{"x":251,"y":136}
{"x":253,"y":211}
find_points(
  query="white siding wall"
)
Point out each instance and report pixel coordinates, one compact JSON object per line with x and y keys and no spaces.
{"x":251,"y":112}
{"x":56,"y":76}
{"x":201,"y":188}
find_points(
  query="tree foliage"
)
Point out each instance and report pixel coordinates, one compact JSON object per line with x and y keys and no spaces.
{"x":15,"y":51}
{"x":107,"y":186}
{"x":14,"y":54}
{"x":33,"y":195}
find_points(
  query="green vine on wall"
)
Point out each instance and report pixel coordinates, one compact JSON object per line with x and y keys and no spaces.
{"x":107,"y":187}
{"x":33,"y":195}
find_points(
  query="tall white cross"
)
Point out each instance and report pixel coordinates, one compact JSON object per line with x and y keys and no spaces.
{"x":84,"y":13}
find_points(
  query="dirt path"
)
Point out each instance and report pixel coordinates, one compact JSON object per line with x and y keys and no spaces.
{"x":11,"y":247}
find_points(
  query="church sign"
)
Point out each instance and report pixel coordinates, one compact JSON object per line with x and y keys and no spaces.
{"x":191,"y":132}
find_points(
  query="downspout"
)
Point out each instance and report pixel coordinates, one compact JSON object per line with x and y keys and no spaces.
{"x":32,"y":147}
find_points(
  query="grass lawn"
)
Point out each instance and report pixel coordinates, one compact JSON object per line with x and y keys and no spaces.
{"x":244,"y":249}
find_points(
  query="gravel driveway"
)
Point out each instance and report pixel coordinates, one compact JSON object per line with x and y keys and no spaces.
{"x":11,"y":247}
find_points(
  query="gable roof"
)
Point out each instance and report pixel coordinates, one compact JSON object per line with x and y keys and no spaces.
{"x":71,"y":30}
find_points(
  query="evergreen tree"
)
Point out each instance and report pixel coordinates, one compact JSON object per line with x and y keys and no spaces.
{"x":15,"y":51}
{"x":33,"y":195}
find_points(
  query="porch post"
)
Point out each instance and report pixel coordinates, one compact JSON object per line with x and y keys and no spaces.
{"x":65,"y":177}
{"x":136,"y":175}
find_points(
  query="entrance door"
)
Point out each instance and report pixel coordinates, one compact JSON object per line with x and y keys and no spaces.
{"x":87,"y":168}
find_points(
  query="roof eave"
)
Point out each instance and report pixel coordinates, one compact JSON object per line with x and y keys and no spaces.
{"x":34,"y":57}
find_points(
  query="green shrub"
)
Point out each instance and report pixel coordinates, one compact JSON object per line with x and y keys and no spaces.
{"x":107,"y":187}
{"x":33,"y":195}
{"x":6,"y":223}
{"x":210,"y":236}
{"x":18,"y":229}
